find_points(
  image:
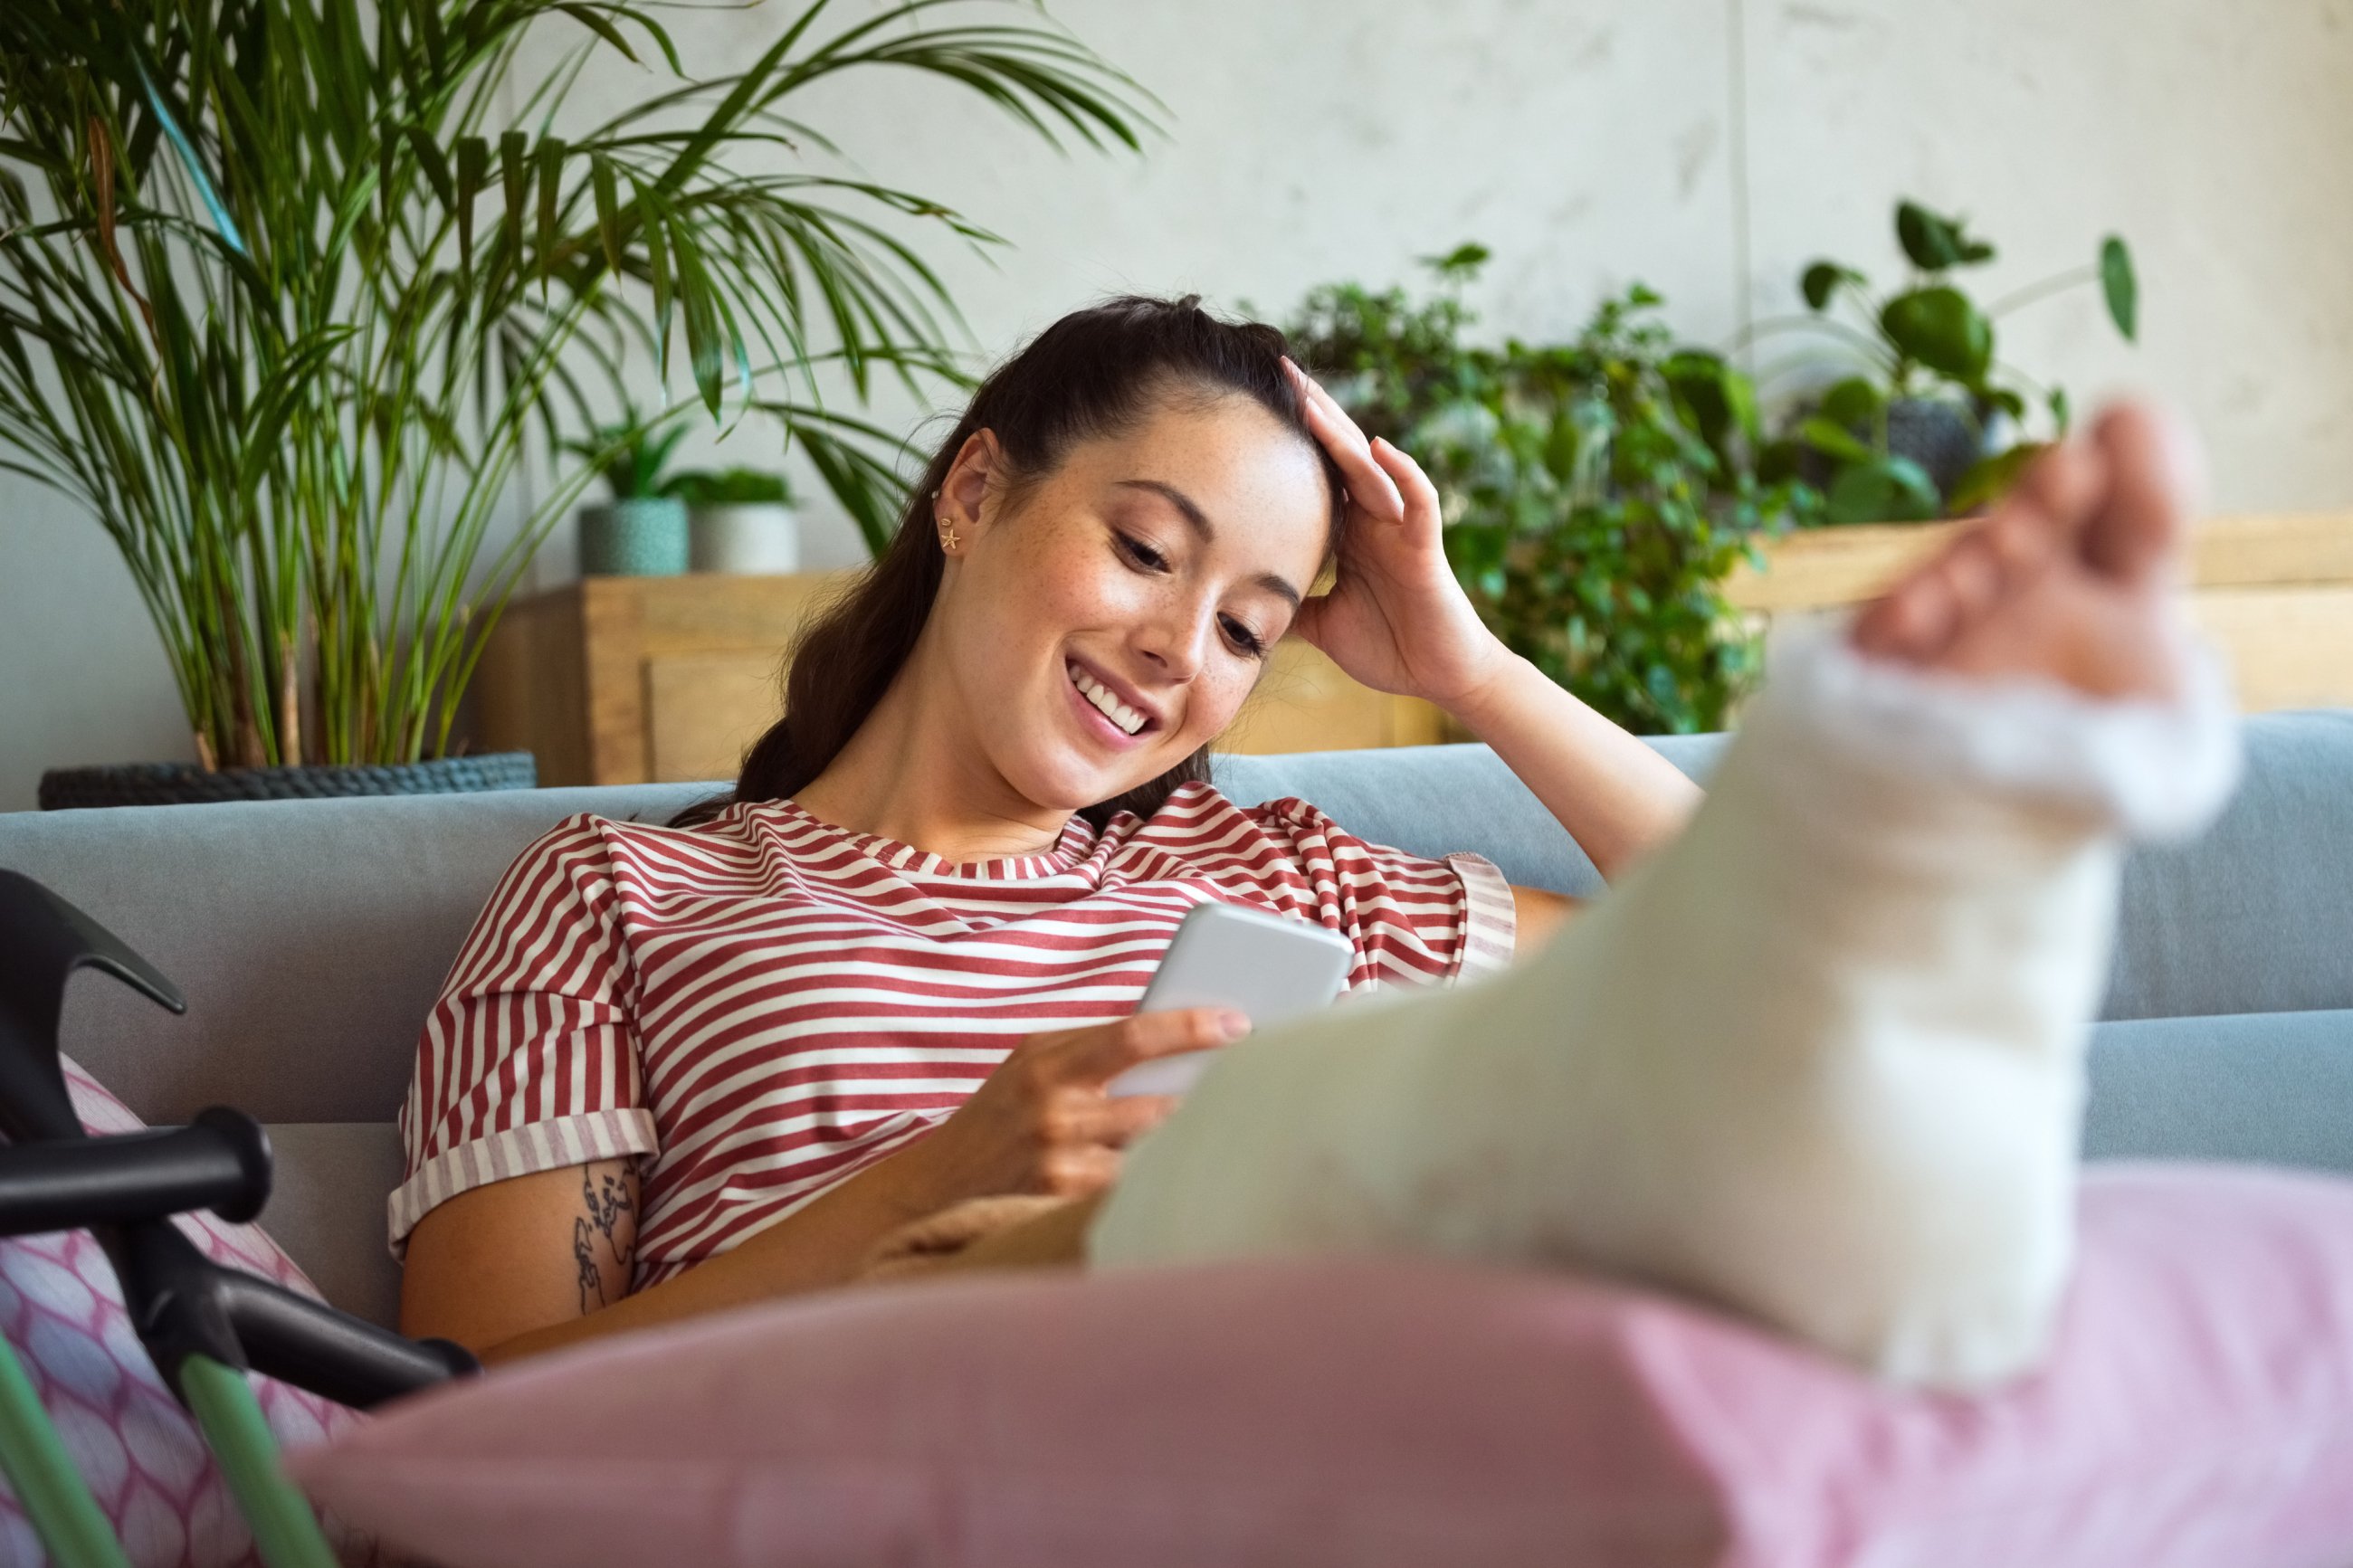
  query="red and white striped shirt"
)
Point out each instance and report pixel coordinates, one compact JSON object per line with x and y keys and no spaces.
{"x":757,"y":1008}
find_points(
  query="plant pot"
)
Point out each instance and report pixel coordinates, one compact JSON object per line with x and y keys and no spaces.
{"x":1942,"y":438}
{"x":185,"y":784}
{"x":755,"y":538}
{"x":642,"y":537}
{"x":1937,"y":435}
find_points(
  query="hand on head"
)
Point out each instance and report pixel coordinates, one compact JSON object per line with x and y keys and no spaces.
{"x":1396,"y":618}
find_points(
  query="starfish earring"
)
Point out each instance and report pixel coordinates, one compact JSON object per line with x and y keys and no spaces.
{"x":948,"y":536}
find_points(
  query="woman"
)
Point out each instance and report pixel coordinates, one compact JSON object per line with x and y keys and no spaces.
{"x":1820,"y":1061}
{"x":677,"y":1072}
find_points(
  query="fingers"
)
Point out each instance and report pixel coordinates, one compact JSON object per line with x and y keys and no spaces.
{"x":1100,"y":1054}
{"x":1081,"y":1116}
{"x":1079,"y":1171}
{"x":1369,"y":485}
{"x":1420,"y":495}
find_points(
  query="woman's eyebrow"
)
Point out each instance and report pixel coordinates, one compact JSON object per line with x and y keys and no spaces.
{"x":1194,"y":515}
{"x":1199,"y":521}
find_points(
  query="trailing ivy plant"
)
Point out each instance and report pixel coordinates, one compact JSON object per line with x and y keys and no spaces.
{"x":1596,"y":492}
{"x":1906,"y":437}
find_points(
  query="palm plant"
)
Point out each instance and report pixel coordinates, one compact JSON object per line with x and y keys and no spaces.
{"x":285,"y":300}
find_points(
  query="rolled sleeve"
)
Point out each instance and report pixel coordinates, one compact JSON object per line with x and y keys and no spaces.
{"x":529,"y":1060}
{"x":1490,"y":922}
{"x":551,"y":1145}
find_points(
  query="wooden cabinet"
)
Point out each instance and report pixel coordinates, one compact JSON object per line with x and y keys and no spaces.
{"x":667,"y":680}
{"x":2274,"y":592}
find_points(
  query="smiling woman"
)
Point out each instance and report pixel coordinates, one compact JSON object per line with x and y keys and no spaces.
{"x":678,"y":1070}
{"x":1211,"y":431}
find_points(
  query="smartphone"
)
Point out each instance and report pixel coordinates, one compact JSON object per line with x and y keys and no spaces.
{"x":1265,"y":966}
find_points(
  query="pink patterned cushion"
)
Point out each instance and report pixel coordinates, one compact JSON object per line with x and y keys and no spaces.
{"x":62,"y":1312}
{"x":2197,"y":1412}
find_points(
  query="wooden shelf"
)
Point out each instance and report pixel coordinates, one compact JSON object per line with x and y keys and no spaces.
{"x":2273,"y":591}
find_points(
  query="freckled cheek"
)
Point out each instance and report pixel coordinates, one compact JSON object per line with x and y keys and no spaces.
{"x":1216,"y":701}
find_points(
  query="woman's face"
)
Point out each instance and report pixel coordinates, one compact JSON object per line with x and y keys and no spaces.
{"x":1110,"y":620}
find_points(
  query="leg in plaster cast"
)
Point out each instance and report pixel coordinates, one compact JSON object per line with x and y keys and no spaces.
{"x":1820,"y":1060}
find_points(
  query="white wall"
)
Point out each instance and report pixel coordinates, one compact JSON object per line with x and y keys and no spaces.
{"x":1710,"y":147}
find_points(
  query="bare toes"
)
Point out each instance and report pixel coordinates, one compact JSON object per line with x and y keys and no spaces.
{"x":1913,"y":622}
{"x":2153,"y":468}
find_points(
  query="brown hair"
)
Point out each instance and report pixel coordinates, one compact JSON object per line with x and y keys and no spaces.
{"x":1095,"y":373}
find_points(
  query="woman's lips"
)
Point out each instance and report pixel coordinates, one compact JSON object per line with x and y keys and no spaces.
{"x":1096,"y":721}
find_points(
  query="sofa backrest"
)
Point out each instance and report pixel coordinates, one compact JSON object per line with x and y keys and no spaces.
{"x":311,"y":936}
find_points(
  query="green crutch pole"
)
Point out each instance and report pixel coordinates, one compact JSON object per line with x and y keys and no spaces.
{"x":284,"y":1525}
{"x":47,"y":1487}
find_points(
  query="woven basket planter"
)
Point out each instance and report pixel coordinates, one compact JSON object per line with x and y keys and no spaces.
{"x":185,"y":784}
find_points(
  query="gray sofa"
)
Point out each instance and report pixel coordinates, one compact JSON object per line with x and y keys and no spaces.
{"x":310,"y":938}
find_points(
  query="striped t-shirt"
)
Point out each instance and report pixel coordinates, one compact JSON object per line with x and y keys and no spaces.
{"x":757,"y":1008}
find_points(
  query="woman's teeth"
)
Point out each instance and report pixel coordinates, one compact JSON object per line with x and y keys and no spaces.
{"x":1118,"y":713}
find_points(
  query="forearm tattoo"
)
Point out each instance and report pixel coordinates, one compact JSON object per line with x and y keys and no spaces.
{"x":607,"y":1199}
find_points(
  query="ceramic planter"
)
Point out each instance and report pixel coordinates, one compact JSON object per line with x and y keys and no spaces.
{"x":756,"y":539}
{"x":643,"y":537}
{"x":185,"y":784}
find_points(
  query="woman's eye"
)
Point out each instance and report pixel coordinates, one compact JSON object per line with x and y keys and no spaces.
{"x":1142,"y":555}
{"x":1247,"y":640}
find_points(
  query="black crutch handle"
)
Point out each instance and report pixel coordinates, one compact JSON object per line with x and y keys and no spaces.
{"x":43,"y":940}
{"x":349,"y":1360}
{"x":219,"y":1162}
{"x":54,"y":1177}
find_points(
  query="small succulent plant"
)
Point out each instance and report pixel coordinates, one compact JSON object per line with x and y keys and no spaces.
{"x":1919,"y":430}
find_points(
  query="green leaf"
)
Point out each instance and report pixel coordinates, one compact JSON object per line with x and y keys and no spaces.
{"x":435,"y":166}
{"x":1935,"y":243}
{"x":2120,"y":286}
{"x":2062,"y":411}
{"x":223,"y":222}
{"x":2003,"y":399}
{"x":1833,"y":440}
{"x":473,"y":174}
{"x":1822,"y":280}
{"x":1991,"y":478}
{"x":608,"y":208}
{"x":1461,"y":264}
{"x":587,"y":17}
{"x":514,"y":177}
{"x":1854,"y":403}
{"x":1882,"y":489}
{"x":1721,"y":401}
{"x":1939,"y":328}
{"x":551,"y":153}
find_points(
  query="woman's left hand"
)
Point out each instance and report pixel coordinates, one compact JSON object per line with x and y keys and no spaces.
{"x":1396,"y":619}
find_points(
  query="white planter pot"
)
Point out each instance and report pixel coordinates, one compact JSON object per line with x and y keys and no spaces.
{"x":758,"y":539}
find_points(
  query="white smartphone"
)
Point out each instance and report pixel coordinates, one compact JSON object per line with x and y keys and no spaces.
{"x":1223,"y":955}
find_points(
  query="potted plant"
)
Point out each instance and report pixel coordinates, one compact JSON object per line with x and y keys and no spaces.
{"x":289,"y":286}
{"x":1931,"y":424}
{"x":740,"y":521}
{"x":641,"y":530}
{"x":1596,"y":492}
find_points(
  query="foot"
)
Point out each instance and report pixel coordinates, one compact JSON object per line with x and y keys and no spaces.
{"x":2070,"y":579}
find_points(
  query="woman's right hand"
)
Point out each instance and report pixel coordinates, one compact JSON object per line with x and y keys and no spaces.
{"x":1042,"y":1121}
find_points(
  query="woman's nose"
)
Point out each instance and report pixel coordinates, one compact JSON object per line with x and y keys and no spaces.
{"x":1177,"y":643}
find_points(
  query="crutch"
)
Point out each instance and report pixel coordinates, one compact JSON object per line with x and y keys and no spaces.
{"x":204,"y":1326}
